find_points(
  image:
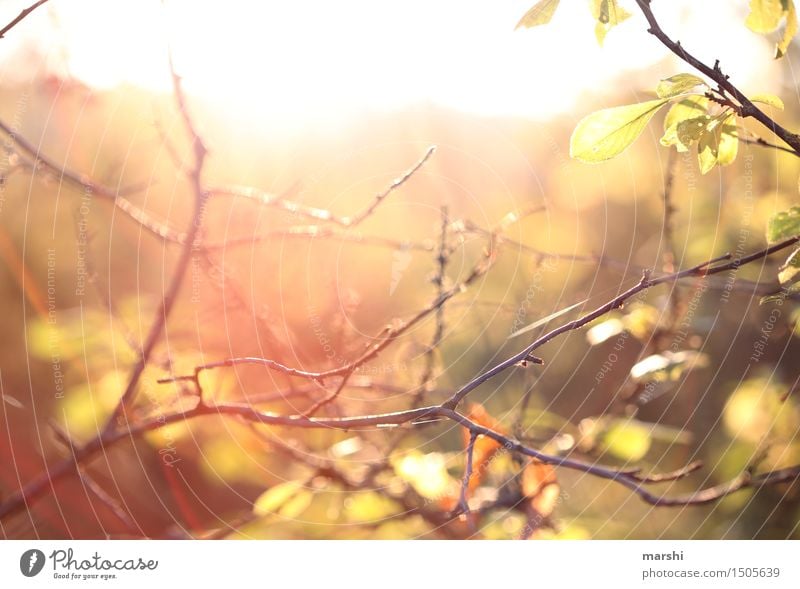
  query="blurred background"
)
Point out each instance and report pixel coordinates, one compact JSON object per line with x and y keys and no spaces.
{"x":325,"y":104}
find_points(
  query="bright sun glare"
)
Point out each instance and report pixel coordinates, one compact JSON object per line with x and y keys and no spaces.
{"x":310,"y":61}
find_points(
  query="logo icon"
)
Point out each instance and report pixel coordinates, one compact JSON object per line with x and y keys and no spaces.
{"x":31,"y":562}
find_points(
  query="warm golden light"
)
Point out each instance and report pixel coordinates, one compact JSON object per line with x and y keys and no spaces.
{"x":315,"y":62}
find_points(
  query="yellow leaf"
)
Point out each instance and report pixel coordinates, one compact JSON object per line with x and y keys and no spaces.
{"x":789,"y":32}
{"x":769,"y":99}
{"x":607,"y":133}
{"x":708,"y":147}
{"x":678,"y":84}
{"x":728,"y":142}
{"x":540,"y":14}
{"x":608,"y":14}
{"x":765,"y":15}
{"x":689,"y":108}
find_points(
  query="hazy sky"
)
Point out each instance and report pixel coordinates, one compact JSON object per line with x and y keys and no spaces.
{"x":301,"y":59}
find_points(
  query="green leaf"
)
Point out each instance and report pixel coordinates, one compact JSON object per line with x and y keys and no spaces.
{"x":692,"y":130}
{"x":540,"y":14}
{"x":688,"y":108}
{"x":769,"y":99}
{"x":678,"y":84}
{"x":608,"y":14}
{"x":784,"y":225}
{"x":765,"y":15}
{"x":789,"y":32}
{"x":707,"y":148}
{"x":718,"y":144}
{"x":627,"y":439}
{"x":605,"y":134}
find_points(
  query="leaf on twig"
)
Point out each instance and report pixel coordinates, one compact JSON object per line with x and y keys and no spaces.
{"x":677,"y":85}
{"x":540,"y":13}
{"x":607,"y":133}
{"x":789,"y":32}
{"x":687,"y":109}
{"x":784,"y":225}
{"x":769,"y":99}
{"x":608,"y":14}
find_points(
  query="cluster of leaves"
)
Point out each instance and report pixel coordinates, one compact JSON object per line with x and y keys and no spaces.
{"x":781,"y":226}
{"x":696,"y":118}
{"x":765,"y":17}
{"x":700,"y":116}
{"x":606,"y":13}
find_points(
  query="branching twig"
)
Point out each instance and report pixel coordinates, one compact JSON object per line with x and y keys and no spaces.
{"x":170,"y":296}
{"x":384,"y":338}
{"x":746,"y":108}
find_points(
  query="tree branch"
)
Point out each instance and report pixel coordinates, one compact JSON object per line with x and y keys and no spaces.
{"x":746,"y":107}
{"x":21,"y":16}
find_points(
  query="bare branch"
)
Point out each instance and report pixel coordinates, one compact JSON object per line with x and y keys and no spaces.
{"x":398,"y":182}
{"x":21,"y":16}
{"x":170,"y":296}
{"x":699,"y":271}
{"x":463,"y":501}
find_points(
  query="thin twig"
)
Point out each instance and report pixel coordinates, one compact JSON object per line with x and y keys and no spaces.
{"x":171,"y":294}
{"x":463,"y":501}
{"x":20,"y":16}
{"x":764,"y":143}
{"x":388,"y":335}
{"x":699,"y":271}
{"x":397,"y":183}
{"x":439,"y":282}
